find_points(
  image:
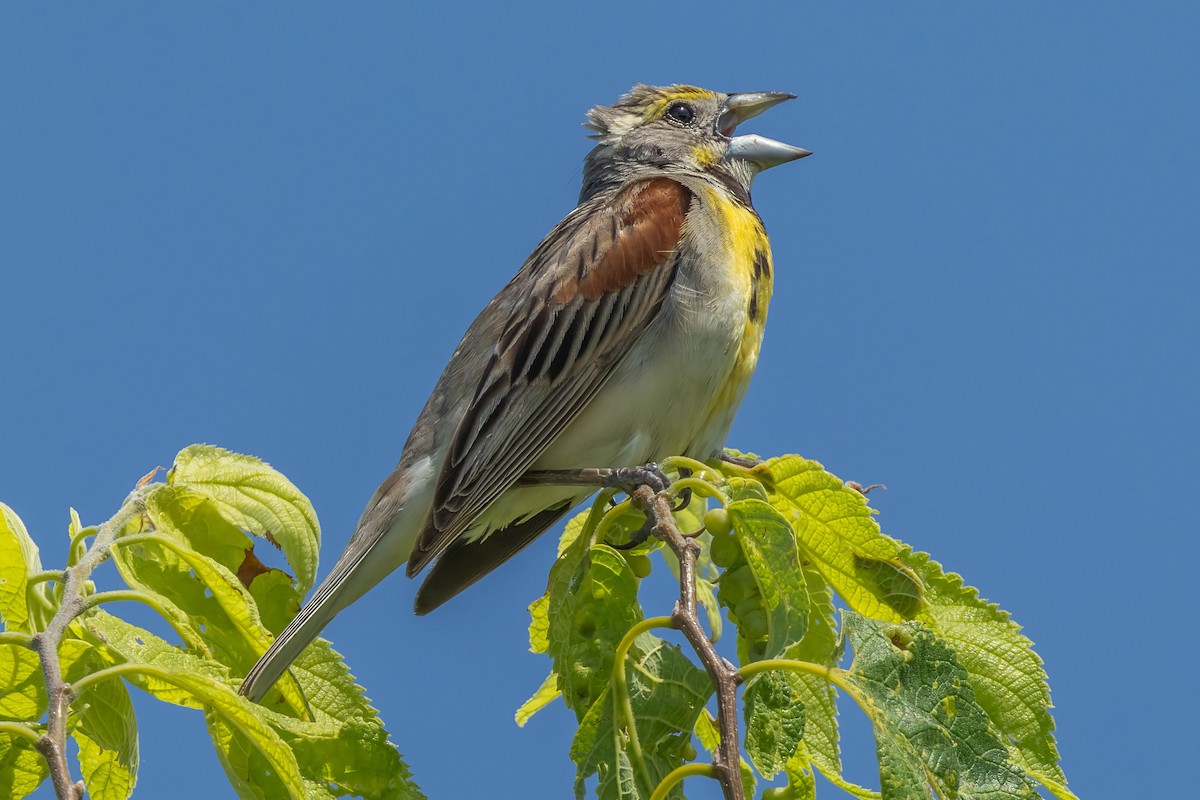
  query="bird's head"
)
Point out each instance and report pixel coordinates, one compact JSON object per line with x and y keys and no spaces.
{"x":682,"y":129}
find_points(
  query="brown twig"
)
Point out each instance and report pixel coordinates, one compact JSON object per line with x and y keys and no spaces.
{"x":53,"y":744}
{"x":727,"y":760}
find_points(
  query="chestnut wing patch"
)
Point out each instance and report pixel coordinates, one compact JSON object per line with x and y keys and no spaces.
{"x":640,"y":242}
{"x":596,"y":282}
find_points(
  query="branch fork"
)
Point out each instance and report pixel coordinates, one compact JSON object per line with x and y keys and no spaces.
{"x":59,"y":694}
{"x":685,"y":618}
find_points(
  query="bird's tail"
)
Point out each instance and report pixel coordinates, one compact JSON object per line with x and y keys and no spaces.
{"x":382,"y":541}
{"x":305,"y":627}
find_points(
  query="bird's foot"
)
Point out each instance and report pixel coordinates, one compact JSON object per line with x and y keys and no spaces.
{"x":628,"y":479}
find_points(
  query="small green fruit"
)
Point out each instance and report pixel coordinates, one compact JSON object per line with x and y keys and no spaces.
{"x":754,"y":625}
{"x":640,"y":564}
{"x":750,"y":603}
{"x":725,"y":551}
{"x":737,"y":584}
{"x":716,"y":521}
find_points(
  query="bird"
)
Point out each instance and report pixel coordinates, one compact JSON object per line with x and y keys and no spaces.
{"x":628,"y":335}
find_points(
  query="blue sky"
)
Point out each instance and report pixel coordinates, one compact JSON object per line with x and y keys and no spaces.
{"x":266,"y":226}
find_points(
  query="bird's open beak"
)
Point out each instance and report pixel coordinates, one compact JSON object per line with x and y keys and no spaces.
{"x":764,"y":153}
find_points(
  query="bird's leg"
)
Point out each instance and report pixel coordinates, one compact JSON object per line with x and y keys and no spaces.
{"x":627,"y":479}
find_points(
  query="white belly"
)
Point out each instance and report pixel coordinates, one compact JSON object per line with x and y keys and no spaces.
{"x":656,"y":404}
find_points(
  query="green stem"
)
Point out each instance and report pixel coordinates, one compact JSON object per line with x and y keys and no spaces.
{"x":24,"y":731}
{"x":143,"y":538}
{"x":728,"y":469}
{"x":15,"y":638}
{"x":137,"y":596}
{"x":597,"y":513}
{"x":48,"y":575}
{"x":624,"y":707}
{"x":609,"y":519}
{"x":677,"y":775}
{"x":53,"y":745}
{"x":700,"y":487}
{"x":87,"y":681}
{"x":78,"y":548}
{"x":45,"y":610}
{"x":699,"y":468}
{"x":831,"y":674}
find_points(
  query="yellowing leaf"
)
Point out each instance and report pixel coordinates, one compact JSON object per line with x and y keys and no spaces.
{"x":835,"y":529}
{"x":22,"y":768}
{"x":1007,"y":675}
{"x":256,"y":498}
{"x":546,"y":694}
{"x":769,"y":547}
{"x":22,"y":690}
{"x":18,"y":560}
{"x":106,"y":732}
{"x":928,"y":727}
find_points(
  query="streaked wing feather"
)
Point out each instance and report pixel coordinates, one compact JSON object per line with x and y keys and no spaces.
{"x":598,"y":282}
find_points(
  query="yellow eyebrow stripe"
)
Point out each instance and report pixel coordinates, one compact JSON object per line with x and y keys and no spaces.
{"x":659,"y":107}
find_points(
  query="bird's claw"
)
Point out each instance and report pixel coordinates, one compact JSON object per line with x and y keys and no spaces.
{"x":628,"y":479}
{"x":636,"y":538}
{"x":684,"y":500}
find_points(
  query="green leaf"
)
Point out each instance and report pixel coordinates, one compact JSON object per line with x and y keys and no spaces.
{"x":344,"y":745}
{"x":816,"y":693}
{"x":18,"y":560}
{"x":667,"y":692}
{"x":774,"y":722}
{"x":929,"y":729}
{"x":546,"y":694}
{"x":248,"y":772}
{"x":119,"y":642}
{"x":769,"y":547}
{"x":592,"y":604}
{"x":838,"y":534}
{"x":219,"y":608}
{"x":240,"y":715}
{"x":256,"y":498}
{"x":801,"y":779}
{"x":539,"y":625}
{"x":706,"y":597}
{"x":106,"y":732}
{"x":188,"y":680}
{"x":706,"y":731}
{"x":22,"y":768}
{"x":22,"y":690}
{"x":201,"y":522}
{"x":1006,"y":674}
{"x":276,"y":599}
{"x":892,"y":582}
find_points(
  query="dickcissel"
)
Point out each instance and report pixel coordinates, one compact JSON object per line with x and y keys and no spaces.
{"x":629,"y":335}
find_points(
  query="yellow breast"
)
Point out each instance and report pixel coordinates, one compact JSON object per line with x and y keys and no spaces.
{"x":748,"y":258}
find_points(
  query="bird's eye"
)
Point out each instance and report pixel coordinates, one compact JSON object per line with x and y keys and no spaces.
{"x":681,"y":113}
